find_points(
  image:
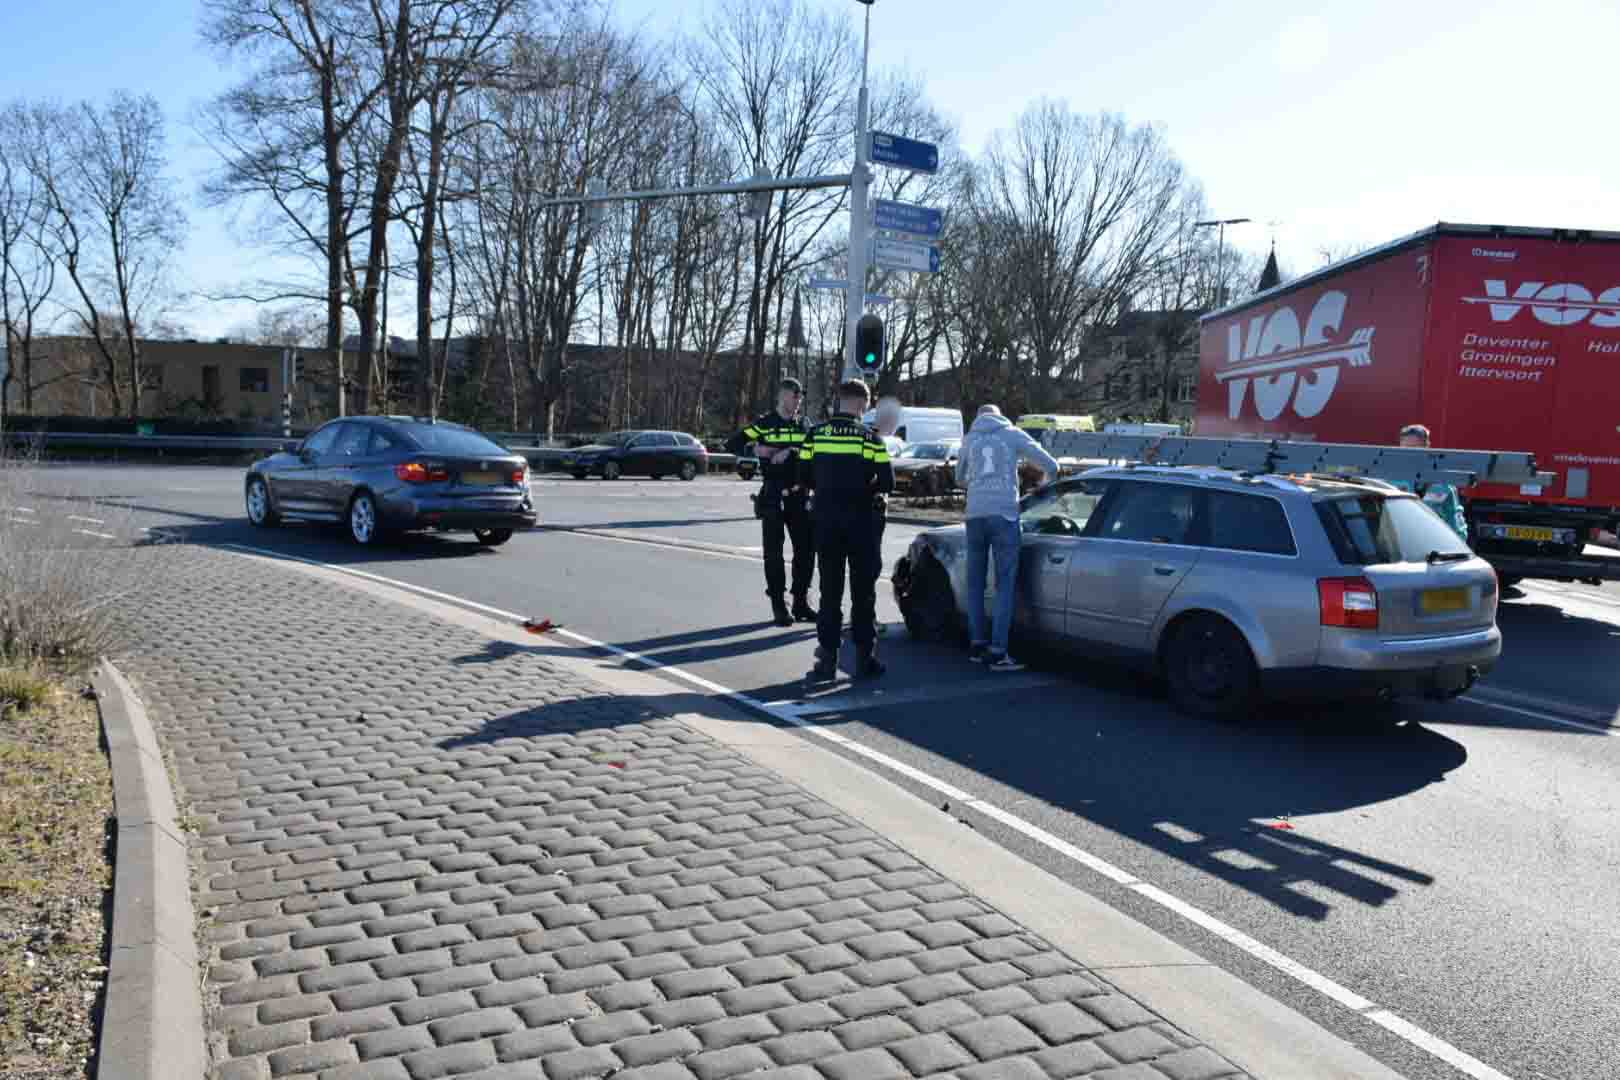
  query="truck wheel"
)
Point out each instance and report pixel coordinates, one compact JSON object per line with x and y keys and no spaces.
{"x":1212,"y":674}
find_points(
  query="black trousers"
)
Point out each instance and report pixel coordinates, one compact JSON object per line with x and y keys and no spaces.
{"x":785,"y":517}
{"x":847,"y":534}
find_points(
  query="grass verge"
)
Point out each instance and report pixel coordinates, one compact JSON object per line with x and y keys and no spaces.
{"x":56,"y":818}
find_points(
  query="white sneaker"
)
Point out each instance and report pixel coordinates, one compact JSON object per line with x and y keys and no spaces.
{"x":1005,"y":663}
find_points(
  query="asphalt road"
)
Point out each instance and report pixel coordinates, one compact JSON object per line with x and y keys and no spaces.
{"x":1461,"y":869}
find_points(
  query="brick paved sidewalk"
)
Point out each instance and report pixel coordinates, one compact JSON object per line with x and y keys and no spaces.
{"x":425,"y":855}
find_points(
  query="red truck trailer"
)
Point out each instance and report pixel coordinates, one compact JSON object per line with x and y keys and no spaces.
{"x":1496,"y":338}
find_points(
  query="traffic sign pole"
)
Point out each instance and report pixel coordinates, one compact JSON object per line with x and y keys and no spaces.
{"x":856,"y":294}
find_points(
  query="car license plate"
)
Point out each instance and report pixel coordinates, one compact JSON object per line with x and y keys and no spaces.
{"x":1526,"y":532}
{"x":1443,"y":600}
{"x":484,"y":478}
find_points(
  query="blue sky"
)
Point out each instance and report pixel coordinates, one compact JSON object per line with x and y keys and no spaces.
{"x":1348,"y":127}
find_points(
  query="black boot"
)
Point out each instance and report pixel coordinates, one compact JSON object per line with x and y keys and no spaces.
{"x":802,"y":611}
{"x":779,"y":611}
{"x":869,"y":667}
{"x":826,"y":669}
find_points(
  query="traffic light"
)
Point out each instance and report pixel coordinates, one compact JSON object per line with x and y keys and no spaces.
{"x":759,"y":202}
{"x":298,"y":368}
{"x":869,"y":344}
{"x":596,"y":213}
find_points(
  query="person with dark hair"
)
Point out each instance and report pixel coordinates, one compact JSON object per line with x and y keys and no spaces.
{"x":781,"y":503}
{"x":1441,"y":498}
{"x":847,"y":466}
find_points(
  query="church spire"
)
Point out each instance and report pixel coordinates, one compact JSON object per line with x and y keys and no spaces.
{"x":1270,"y":277}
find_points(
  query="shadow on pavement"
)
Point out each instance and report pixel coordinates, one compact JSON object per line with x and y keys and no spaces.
{"x":635,"y":523}
{"x":1208,"y":795}
{"x":597,"y":713}
{"x":1550,"y":651}
{"x":673,"y":649}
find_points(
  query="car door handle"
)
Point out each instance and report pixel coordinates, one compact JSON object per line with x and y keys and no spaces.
{"x":1057,"y":559}
{"x":1164,"y":571}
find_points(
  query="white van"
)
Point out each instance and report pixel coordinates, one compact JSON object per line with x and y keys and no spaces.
{"x":919,"y":425}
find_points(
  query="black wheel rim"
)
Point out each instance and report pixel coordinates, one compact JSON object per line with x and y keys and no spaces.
{"x":1210,"y":670}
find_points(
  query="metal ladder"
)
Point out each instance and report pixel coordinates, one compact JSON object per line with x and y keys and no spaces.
{"x":1255,"y":457}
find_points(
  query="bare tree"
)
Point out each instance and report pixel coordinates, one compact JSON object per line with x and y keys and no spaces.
{"x":1091,"y":205}
{"x":113,"y":215}
{"x":27,"y":258}
{"x":456,"y":55}
{"x":284,"y":134}
{"x":776,"y":76}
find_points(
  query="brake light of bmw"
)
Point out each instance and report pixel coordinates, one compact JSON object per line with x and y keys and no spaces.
{"x":415,"y":472}
{"x":520,"y":475}
{"x":1348,"y":602}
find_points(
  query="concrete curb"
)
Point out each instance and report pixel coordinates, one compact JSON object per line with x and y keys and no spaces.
{"x":152,"y":1028}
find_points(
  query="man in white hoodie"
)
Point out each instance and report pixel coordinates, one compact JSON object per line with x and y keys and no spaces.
{"x":987,"y":467}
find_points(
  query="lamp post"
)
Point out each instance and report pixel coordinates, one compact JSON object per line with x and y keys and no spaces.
{"x":1220,"y":252}
{"x":858,"y":181}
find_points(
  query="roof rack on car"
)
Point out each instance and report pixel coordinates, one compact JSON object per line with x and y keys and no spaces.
{"x":1352,"y":463}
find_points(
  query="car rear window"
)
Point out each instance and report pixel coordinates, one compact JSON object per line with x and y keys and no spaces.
{"x":441,"y":439}
{"x":1249,"y":523}
{"x":1368,"y":530}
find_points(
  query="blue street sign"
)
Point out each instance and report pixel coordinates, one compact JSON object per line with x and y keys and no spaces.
{"x":828,"y":283}
{"x":893,"y":255}
{"x":903,"y":153}
{"x":922,"y":221}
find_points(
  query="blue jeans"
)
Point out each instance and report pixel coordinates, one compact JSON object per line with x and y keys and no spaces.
{"x":985,"y":534}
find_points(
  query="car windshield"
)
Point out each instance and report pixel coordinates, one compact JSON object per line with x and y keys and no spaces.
{"x":1368,"y":530}
{"x":1053,"y":511}
{"x":617,"y":438}
{"x":930,"y":451}
{"x":444,"y":439}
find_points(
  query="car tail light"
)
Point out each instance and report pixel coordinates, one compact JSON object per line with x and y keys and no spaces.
{"x":414,"y":472}
{"x":1348,"y":602}
{"x":520,"y":474}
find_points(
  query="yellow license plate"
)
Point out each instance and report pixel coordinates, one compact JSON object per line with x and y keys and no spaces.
{"x":482,"y":478}
{"x":1441,"y":600}
{"x":1525,"y":532}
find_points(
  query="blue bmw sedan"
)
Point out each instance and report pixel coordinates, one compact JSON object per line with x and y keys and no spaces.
{"x":384,"y":474}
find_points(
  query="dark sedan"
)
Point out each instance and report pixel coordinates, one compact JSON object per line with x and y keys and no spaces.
{"x":381,"y":474}
{"x":927,"y":468}
{"x":639,"y":453}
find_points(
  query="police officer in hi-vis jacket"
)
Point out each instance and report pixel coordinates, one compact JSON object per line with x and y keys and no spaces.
{"x":847,"y":466}
{"x":781,"y":504}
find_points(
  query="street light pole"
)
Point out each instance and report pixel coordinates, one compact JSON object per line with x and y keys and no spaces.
{"x":855,"y":304}
{"x":1220,"y":252}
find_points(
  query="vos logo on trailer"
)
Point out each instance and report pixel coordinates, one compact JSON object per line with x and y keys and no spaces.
{"x":1289,"y":365}
{"x":1560,"y":304}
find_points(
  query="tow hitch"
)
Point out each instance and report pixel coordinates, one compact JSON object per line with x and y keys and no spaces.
{"x":1438,"y":692}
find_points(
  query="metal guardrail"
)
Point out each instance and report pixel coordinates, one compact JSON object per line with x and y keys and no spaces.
{"x":539,"y":456}
{"x":115,"y":441}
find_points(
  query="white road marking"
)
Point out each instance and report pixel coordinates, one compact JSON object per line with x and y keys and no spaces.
{"x":91,"y":520}
{"x":1466,"y":1064}
{"x":92,"y":532}
{"x":20,"y":521}
{"x":1334,"y":991}
{"x":1536,"y":714}
{"x":651,"y":542}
